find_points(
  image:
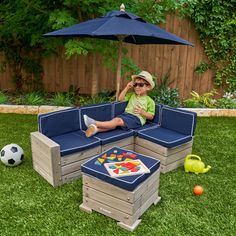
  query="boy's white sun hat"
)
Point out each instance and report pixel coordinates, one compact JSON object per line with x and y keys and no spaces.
{"x":146,"y":76}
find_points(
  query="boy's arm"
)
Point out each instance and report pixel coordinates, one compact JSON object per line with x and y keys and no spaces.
{"x":150,"y":113}
{"x":141,"y":112}
{"x":121,"y":97}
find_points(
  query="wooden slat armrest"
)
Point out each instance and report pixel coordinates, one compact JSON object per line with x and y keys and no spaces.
{"x":44,"y":139}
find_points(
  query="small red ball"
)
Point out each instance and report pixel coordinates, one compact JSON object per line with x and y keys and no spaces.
{"x":198,"y":190}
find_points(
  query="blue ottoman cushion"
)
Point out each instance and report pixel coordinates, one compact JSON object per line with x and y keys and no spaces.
{"x":165,"y":137}
{"x":75,"y":142}
{"x":126,"y":182}
{"x":113,"y":135}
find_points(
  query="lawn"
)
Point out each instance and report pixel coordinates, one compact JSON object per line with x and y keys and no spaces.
{"x":30,"y":206}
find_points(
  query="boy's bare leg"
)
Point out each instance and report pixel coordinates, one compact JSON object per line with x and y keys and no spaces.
{"x":102,"y":130}
{"x":103,"y":126}
{"x":108,"y":125}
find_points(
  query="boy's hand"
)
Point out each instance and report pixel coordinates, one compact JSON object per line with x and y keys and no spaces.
{"x":138,"y":110}
{"x":129,"y":85}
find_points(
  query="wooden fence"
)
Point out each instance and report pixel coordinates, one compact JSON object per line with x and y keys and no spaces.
{"x":82,"y":72}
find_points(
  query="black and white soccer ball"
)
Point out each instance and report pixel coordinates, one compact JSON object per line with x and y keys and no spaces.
{"x":12,"y":154}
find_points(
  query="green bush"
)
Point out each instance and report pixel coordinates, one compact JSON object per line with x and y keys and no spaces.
{"x":33,"y":99}
{"x":191,"y":103}
{"x":226,"y":103}
{"x":204,"y":100}
{"x":102,"y":97}
{"x":163,"y":94}
{"x":3,"y":98}
{"x":61,"y":99}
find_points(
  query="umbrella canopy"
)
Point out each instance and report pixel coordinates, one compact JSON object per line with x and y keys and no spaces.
{"x":123,"y":27}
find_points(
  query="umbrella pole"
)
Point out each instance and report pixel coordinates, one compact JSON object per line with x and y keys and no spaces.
{"x":118,"y":71}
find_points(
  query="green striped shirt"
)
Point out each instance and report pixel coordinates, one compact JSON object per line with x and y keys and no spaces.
{"x":145,"y":102}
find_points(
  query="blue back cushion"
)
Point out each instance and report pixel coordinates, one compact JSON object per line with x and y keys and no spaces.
{"x":157,"y":116}
{"x":178,"y":120}
{"x":59,"y":122}
{"x":118,"y":108}
{"x":99,"y":112}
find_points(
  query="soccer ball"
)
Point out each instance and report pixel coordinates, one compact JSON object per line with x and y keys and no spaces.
{"x":12,"y":154}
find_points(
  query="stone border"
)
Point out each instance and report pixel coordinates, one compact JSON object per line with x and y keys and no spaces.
{"x":23,"y":109}
{"x":207,"y":112}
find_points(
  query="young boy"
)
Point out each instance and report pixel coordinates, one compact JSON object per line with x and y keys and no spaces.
{"x":139,"y":108}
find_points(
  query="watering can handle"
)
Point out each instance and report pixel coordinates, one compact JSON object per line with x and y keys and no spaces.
{"x":192,"y":155}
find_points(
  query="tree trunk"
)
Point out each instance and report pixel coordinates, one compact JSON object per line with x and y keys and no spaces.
{"x":95,"y":85}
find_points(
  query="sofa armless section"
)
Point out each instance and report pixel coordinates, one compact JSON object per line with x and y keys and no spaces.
{"x":171,"y":141}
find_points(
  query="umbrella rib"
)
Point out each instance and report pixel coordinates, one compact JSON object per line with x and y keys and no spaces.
{"x":134,"y":39}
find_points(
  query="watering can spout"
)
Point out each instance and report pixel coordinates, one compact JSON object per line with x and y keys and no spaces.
{"x":206,"y":169}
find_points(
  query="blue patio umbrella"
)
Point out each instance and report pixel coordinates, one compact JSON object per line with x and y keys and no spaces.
{"x":121,"y":26}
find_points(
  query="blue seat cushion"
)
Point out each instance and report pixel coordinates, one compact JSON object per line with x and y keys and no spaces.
{"x":59,"y":122}
{"x":113,"y":135}
{"x":129,"y":183}
{"x":164,"y":137}
{"x":178,"y":120}
{"x":75,"y":142}
{"x":146,"y":126}
{"x":99,"y":112}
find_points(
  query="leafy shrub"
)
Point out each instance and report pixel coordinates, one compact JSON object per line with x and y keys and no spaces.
{"x":61,"y":99}
{"x":102,"y":97}
{"x":205,"y":100}
{"x":226,"y":103}
{"x":191,"y":103}
{"x":3,"y":98}
{"x":163,"y":94}
{"x":33,"y":99}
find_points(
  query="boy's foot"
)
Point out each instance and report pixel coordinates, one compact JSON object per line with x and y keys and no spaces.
{"x":92,"y":129}
{"x":88,"y":121}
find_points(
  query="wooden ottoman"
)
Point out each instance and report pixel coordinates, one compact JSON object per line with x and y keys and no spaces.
{"x":123,"y":198}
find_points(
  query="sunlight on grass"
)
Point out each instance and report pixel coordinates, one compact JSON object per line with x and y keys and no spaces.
{"x":30,"y":206}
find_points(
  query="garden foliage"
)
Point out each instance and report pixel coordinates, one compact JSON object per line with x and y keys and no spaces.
{"x":24,"y":22}
{"x":216,"y":22}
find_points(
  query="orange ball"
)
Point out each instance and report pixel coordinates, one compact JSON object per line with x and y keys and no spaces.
{"x":198,"y":190}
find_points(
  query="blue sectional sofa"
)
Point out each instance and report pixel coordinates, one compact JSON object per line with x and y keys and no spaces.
{"x":60,"y":146}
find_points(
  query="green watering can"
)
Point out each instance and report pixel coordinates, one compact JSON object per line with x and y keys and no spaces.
{"x":193,"y":163}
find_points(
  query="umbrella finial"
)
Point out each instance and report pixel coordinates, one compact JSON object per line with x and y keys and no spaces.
{"x":122,"y":7}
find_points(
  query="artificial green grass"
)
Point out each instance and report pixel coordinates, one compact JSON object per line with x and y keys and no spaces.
{"x":30,"y":206}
